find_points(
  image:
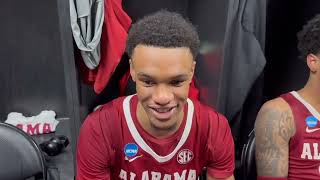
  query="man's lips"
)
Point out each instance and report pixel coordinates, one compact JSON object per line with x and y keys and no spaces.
{"x":162,"y":110}
{"x":163,"y":113}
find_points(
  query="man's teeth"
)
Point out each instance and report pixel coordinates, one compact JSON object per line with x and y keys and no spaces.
{"x":163,"y":110}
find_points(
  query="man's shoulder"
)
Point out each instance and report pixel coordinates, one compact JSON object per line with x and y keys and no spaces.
{"x":200,"y":107}
{"x":112,"y":105}
{"x":206,"y":110}
{"x":274,"y":109}
{"x":275,"y":115}
{"x":278,"y":104}
{"x":107,"y":113}
{"x":106,"y":120}
{"x":209,"y":117}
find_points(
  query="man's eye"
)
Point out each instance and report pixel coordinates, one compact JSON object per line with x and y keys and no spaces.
{"x":176,"y":83}
{"x":148,"y":82}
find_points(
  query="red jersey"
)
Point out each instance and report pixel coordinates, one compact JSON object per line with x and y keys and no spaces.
{"x":113,"y":145}
{"x":304,"y":157}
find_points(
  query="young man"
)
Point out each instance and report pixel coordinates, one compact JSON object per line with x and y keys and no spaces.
{"x":158,"y":133}
{"x":287,"y":128}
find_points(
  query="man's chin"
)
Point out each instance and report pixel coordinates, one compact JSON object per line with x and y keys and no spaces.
{"x":163,"y":125}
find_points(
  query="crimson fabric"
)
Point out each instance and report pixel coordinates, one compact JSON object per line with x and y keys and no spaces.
{"x":270,"y":178}
{"x":193,"y":90}
{"x":113,"y":42}
{"x":87,"y":76}
{"x":208,"y":73}
{"x":105,"y":133}
{"x":123,"y":83}
{"x":302,"y":165}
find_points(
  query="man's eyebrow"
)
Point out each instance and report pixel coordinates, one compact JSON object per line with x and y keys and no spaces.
{"x":143,"y":75}
{"x":180,"y":76}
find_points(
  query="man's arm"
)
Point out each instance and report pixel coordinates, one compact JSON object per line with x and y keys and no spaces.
{"x":93,"y":155}
{"x":273,"y":129}
{"x":220,"y":149}
{"x":211,"y":178}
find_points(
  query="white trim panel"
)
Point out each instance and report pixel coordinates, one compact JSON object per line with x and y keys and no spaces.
{"x":311,"y":109}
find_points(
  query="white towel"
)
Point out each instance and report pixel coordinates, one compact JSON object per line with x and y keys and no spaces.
{"x":43,"y":123}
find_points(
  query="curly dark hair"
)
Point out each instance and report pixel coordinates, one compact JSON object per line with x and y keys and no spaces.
{"x":163,"y":29}
{"x":309,"y":38}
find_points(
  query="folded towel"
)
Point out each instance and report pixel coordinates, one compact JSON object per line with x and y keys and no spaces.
{"x":43,"y":123}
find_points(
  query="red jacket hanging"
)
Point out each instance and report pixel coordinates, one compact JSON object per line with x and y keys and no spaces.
{"x":113,"y":43}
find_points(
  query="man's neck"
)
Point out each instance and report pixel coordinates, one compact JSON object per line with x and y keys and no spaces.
{"x":311,"y":93}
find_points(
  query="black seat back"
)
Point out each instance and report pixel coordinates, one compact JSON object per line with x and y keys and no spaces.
{"x":248,"y":160}
{"x":20,"y":156}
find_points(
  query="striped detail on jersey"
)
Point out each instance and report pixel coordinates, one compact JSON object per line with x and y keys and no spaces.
{"x":311,"y":109}
{"x":143,"y":145}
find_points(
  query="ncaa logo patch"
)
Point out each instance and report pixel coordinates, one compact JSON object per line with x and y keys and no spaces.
{"x":311,"y":121}
{"x":184,"y":156}
{"x":131,"y":150}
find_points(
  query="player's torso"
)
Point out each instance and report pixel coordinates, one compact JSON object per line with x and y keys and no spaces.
{"x":136,"y":163}
{"x":181,"y":156}
{"x":304,"y":146}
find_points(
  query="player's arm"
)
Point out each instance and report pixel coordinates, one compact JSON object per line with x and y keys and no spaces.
{"x":211,"y":178}
{"x":273,"y":129}
{"x":93,"y":154}
{"x":220,"y":150}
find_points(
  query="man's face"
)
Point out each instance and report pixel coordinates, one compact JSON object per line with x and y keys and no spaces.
{"x":162,"y":77}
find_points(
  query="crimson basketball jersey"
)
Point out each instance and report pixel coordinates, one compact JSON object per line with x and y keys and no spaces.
{"x":304,"y":157}
{"x":113,"y":145}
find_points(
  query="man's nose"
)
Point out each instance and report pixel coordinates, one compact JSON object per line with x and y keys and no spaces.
{"x":162,"y":95}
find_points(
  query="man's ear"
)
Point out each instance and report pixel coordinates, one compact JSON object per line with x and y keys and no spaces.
{"x":313,"y":63}
{"x":132,"y":71}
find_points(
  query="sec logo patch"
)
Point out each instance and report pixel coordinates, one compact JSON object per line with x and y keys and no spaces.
{"x":184,"y":156}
